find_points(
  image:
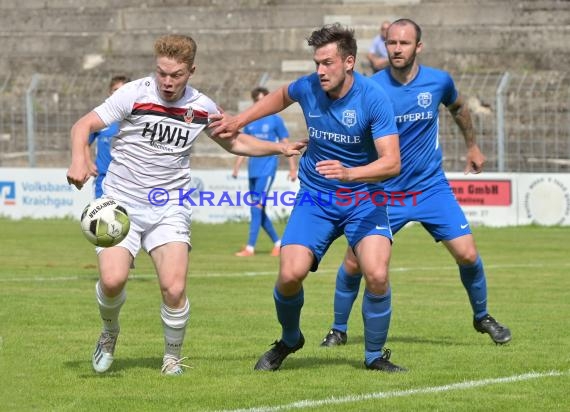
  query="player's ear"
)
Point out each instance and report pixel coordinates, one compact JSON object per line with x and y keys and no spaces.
{"x":419,"y":47}
{"x":192,"y":70}
{"x":349,"y":63}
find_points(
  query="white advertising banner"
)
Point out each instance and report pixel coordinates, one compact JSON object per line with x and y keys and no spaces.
{"x":40,"y":193}
{"x":544,"y":199}
{"x":219,"y":197}
{"x":503,"y":199}
{"x":491,"y":199}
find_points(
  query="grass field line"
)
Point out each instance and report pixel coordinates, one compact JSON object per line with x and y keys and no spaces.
{"x":309,"y":403}
{"x":72,"y":278}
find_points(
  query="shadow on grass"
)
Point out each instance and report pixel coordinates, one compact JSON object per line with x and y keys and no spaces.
{"x":119,"y":366}
{"x":440,"y":340}
{"x":314,"y":362}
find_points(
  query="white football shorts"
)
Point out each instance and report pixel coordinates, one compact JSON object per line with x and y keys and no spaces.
{"x":153,"y":226}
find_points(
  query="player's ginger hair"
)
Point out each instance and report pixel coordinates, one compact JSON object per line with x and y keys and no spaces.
{"x":176,"y":46}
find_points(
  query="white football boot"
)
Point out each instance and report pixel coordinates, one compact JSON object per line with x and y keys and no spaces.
{"x":103,"y":355}
{"x":172,"y":366}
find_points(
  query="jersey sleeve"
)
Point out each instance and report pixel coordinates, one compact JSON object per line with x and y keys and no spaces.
{"x":382,"y":113}
{"x":120,"y":104}
{"x":449,"y":93}
{"x":297,"y":87}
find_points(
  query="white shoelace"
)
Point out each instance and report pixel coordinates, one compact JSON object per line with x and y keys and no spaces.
{"x":172,"y":363}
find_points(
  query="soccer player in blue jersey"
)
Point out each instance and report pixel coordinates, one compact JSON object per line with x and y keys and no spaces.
{"x":353,"y":145}
{"x":261,"y":173}
{"x":103,"y":138}
{"x":417,"y":92}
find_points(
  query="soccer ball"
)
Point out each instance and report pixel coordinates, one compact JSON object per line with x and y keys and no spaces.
{"x":105,"y":222}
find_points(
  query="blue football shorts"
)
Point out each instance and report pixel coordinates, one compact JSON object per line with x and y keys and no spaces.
{"x":436,"y":209}
{"x":259,"y":187}
{"x":317,"y":221}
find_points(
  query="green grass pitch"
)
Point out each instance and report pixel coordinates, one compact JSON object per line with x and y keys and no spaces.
{"x":49,"y":324}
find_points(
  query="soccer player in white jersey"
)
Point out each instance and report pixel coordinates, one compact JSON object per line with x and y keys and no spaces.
{"x":161,"y":116}
{"x":417,"y":92}
{"x":353,"y":145}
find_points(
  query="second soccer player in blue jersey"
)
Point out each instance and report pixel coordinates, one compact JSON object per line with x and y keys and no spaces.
{"x":353,"y":145}
{"x":417,"y":92}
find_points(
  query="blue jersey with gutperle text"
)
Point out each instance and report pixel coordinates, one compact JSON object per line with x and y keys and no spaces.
{"x":341,"y":129}
{"x":272,"y":129}
{"x":416,"y":106}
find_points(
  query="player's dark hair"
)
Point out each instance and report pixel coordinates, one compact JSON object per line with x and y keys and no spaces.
{"x":335,"y":33}
{"x":118,"y":79}
{"x":403,"y":22}
{"x":257,"y":91}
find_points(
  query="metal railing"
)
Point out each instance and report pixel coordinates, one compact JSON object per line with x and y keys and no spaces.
{"x":522,"y":120}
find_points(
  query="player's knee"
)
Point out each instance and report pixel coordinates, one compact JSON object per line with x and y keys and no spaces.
{"x":173,"y":295}
{"x":351,"y":265}
{"x":377,"y":281}
{"x":290,"y":281}
{"x":111,"y":286}
{"x":290,"y":277}
{"x":467,"y":257}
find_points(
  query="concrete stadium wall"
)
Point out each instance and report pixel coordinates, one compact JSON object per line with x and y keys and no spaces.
{"x":241,"y":42}
{"x":258,"y":35}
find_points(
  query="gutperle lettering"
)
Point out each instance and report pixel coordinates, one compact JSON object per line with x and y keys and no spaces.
{"x":335,"y":137}
{"x":414,"y":117}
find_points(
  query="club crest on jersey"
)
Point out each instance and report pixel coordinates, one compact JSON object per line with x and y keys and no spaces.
{"x":424,"y":99}
{"x":349,"y":118}
{"x":189,"y":115}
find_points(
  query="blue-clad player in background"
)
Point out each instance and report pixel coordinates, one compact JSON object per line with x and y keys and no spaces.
{"x":261,"y":173}
{"x":103,"y":138}
{"x":417,"y":92}
{"x":353,"y":144}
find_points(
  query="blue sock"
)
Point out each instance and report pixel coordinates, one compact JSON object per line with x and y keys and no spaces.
{"x":268,"y":226}
{"x":289,"y":315}
{"x":376,"y":312}
{"x":254,"y":225}
{"x":473,"y":279}
{"x":345,"y":294}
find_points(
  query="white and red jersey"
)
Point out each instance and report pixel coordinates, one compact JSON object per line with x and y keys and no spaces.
{"x":152,"y":149}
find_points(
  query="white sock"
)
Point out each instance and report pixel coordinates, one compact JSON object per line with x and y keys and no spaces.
{"x":278,"y":243}
{"x":174,"y":322}
{"x":250,"y":248}
{"x":109,"y":308}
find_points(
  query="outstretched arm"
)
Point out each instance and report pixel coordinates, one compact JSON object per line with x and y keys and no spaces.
{"x":246,"y":145}
{"x":226,"y":126}
{"x":460,"y":113}
{"x":82,"y":166}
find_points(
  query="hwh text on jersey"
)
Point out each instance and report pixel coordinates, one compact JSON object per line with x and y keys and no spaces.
{"x":167,"y":133}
